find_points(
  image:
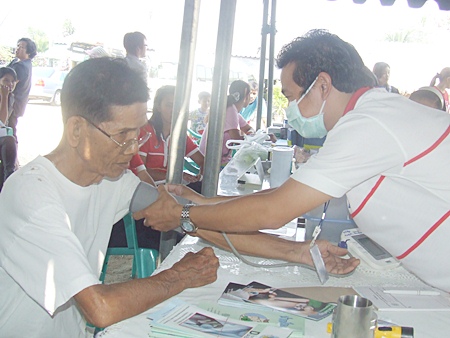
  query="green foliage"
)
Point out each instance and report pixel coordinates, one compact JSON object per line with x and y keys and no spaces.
{"x":68,"y":28}
{"x":6,"y":54}
{"x":279,"y":103}
{"x":40,"y":39}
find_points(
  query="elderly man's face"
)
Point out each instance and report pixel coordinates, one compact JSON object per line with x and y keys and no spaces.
{"x":101,"y":155}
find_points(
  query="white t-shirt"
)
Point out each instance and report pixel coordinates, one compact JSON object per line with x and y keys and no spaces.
{"x":391,"y":156}
{"x":54,"y":236}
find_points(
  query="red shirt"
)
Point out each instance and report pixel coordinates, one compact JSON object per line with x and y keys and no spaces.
{"x":157,"y":154}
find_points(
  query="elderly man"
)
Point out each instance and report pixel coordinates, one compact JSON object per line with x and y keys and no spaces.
{"x":389,"y":155}
{"x":58,"y":210}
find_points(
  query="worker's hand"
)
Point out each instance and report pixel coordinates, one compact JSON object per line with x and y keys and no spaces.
{"x":187,"y":193}
{"x":332,"y":257}
{"x":197,"y":269}
{"x":164,"y":214}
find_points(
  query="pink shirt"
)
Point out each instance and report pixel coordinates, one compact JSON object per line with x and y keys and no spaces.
{"x":233,"y":120}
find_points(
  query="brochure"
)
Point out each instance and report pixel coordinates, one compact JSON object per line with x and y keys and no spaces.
{"x":259,"y":315}
{"x":179,"y":319}
{"x":256,"y":296}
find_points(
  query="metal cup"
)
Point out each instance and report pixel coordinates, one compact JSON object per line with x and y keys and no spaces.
{"x":354,"y":316}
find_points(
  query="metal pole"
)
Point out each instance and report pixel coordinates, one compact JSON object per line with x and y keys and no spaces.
{"x":219,"y":97}
{"x":181,"y":108}
{"x":273,"y":31}
{"x":262,"y":65}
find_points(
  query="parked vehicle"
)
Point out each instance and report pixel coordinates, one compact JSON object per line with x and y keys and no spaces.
{"x":46,"y":84}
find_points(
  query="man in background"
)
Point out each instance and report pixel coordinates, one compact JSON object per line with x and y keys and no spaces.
{"x":25,"y":52}
{"x":135,"y":44}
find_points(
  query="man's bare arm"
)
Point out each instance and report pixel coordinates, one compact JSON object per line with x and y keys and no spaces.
{"x":103,"y":305}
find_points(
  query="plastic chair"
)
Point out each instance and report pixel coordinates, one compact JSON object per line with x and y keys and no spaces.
{"x":191,"y":166}
{"x":194,"y":136}
{"x":144,"y":259}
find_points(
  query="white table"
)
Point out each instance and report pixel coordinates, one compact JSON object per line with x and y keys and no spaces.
{"x":426,"y":324}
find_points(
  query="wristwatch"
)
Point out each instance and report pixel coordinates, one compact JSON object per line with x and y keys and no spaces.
{"x":185,"y":220}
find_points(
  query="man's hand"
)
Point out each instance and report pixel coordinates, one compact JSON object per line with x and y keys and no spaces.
{"x":332,"y":257}
{"x":197,"y":269}
{"x":164,"y":214}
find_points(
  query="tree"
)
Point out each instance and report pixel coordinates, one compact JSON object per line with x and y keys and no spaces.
{"x":40,"y":39}
{"x":68,"y":28}
{"x":6,"y":54}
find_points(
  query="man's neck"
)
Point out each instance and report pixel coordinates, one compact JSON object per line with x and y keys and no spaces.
{"x":71,"y":166}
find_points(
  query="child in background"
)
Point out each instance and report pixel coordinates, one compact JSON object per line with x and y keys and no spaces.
{"x":197,"y":118}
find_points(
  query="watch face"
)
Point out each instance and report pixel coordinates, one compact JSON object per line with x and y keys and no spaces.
{"x":188,"y":226}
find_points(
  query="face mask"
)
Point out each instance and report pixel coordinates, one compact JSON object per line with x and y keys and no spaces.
{"x":308,"y":127}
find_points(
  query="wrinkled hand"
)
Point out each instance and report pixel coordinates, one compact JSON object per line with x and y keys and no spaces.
{"x":332,"y":257}
{"x":164,"y":214}
{"x":197,"y":269}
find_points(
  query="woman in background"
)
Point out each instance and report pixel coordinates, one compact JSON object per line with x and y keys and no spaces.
{"x":155,"y":152}
{"x":235,"y":125}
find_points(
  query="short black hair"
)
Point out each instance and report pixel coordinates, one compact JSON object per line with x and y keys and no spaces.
{"x":132,"y":41}
{"x":320,"y":51}
{"x":94,"y":85}
{"x":31,"y":47}
{"x":8,"y":70}
{"x":379,"y":67}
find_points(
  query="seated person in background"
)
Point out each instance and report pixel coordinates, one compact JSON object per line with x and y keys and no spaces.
{"x":58,"y":210}
{"x":197,"y":118}
{"x":8,"y":145}
{"x":249,"y":112}
{"x":235,"y":126}
{"x":155,"y":152}
{"x":443,"y":85}
{"x":382,"y":71}
{"x":406,"y":183}
{"x":429,"y":96}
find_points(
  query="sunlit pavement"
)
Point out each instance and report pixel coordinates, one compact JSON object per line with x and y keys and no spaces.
{"x":38,"y":131}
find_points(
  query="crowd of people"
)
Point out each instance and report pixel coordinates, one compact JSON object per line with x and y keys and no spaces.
{"x":58,"y":211}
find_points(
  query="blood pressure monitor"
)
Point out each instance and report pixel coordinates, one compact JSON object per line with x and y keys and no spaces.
{"x":362,"y":247}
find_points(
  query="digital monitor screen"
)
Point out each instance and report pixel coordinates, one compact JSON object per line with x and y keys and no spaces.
{"x":373,"y":248}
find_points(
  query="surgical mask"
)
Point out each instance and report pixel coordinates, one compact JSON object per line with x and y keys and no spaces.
{"x":308,"y":127}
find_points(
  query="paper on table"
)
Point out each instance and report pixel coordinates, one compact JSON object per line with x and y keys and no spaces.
{"x":179,"y":319}
{"x":395,"y":302}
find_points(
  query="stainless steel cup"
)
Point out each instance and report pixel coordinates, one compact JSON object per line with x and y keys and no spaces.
{"x":354,"y":317}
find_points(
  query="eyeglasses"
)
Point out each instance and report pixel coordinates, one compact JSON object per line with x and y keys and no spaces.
{"x":126,"y":144}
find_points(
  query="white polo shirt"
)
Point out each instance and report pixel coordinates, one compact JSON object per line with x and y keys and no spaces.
{"x":54,"y":236}
{"x":391,"y":156}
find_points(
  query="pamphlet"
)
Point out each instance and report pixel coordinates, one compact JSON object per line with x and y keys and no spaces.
{"x":405,"y":298}
{"x":179,"y":319}
{"x":256,"y":296}
{"x":260,"y":315}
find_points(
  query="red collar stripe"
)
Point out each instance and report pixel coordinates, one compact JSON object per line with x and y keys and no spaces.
{"x":356,"y":95}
